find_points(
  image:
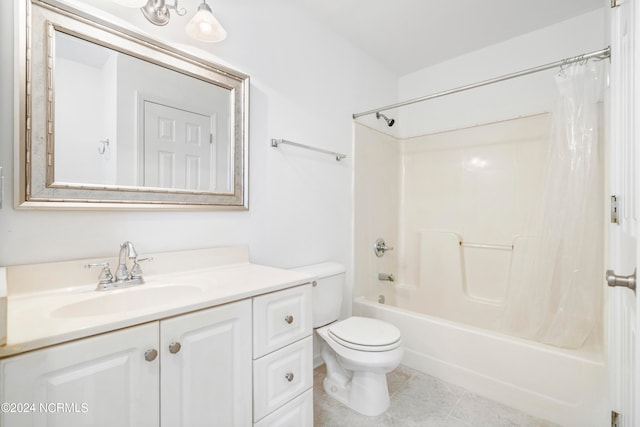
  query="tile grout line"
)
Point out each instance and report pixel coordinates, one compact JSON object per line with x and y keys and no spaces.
{"x":464,"y":393}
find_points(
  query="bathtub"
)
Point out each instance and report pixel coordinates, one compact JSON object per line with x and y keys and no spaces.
{"x":567,"y":387}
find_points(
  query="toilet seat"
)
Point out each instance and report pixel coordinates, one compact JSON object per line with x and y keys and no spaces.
{"x":365,"y":334}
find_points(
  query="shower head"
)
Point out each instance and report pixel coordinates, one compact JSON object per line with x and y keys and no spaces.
{"x":389,"y":121}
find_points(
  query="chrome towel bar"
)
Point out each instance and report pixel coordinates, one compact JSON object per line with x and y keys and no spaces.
{"x":338,"y":156}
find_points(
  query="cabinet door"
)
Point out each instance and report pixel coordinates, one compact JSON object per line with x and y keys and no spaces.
{"x":94,"y":382}
{"x":206,"y":367}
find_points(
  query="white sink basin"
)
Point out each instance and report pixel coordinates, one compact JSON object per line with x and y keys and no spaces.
{"x":128,"y":299}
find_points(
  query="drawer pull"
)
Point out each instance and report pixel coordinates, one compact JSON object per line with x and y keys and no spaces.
{"x":289,"y":319}
{"x":150,"y":355}
{"x":174,"y":347}
{"x":289,"y":376}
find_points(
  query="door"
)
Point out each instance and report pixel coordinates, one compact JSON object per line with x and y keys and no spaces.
{"x":623,"y":236}
{"x":178,"y":149}
{"x":102,"y":381}
{"x":206,"y":368}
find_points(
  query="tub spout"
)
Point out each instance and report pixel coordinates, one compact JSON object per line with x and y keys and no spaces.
{"x":386,"y":277}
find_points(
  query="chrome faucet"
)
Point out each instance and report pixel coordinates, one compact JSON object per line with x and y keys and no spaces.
{"x":126,"y":251}
{"x":124,"y":276}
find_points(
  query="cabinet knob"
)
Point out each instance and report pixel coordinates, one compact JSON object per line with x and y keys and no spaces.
{"x":174,"y":347}
{"x":289,"y":376}
{"x":289,"y":319}
{"x":150,"y":355}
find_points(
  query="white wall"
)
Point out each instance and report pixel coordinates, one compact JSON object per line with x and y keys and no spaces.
{"x":305,"y":84}
{"x":522,"y":96}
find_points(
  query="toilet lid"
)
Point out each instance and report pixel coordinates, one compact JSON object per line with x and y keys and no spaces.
{"x":363,"y":333}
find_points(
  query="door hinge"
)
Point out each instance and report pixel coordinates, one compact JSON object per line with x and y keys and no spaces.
{"x":614,"y":210}
{"x":615,"y":3}
{"x":614,"y":419}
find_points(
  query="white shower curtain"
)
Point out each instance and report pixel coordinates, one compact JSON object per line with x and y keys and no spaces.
{"x":555,"y":292}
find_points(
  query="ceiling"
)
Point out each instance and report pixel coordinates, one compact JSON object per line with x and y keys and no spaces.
{"x":408,"y":35}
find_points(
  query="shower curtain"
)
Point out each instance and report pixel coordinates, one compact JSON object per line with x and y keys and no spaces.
{"x":555,"y":294}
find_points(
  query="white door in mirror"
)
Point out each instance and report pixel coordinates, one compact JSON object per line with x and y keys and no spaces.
{"x":178,"y":150}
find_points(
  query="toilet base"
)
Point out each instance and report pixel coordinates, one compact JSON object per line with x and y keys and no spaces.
{"x":363,"y":391}
{"x":366,"y":393}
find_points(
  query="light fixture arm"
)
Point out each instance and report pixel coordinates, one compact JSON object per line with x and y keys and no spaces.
{"x":157,"y":11}
{"x":204,"y":6}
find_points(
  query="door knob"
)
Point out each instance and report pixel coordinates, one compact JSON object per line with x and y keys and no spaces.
{"x":620,"y":280}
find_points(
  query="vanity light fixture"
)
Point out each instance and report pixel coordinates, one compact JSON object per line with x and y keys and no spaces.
{"x":203,"y":26}
{"x":157,"y":11}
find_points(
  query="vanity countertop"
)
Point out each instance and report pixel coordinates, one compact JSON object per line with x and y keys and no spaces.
{"x":42,"y":317}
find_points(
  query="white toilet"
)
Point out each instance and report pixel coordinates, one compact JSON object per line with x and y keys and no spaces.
{"x":358,"y":351}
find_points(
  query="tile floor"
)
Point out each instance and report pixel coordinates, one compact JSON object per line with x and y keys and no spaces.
{"x":419,"y":399}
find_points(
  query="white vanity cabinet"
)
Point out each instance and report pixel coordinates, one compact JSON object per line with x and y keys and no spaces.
{"x":100,"y":381}
{"x":189,"y":370}
{"x":283,"y":353}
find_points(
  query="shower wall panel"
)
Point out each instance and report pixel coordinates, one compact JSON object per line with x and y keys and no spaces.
{"x":467,"y":197}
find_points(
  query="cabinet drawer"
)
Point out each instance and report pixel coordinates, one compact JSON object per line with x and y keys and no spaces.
{"x":281,"y":318}
{"x":297,"y":413}
{"x":280,"y":376}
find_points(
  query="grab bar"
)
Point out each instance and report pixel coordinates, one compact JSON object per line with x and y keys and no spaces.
{"x":486,"y":246}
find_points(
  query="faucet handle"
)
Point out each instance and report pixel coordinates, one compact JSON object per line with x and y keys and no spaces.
{"x":381,"y":247}
{"x":105,"y":275}
{"x":136,"y":271}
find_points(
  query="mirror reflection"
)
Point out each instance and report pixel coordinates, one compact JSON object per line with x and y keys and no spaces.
{"x":124,"y":122}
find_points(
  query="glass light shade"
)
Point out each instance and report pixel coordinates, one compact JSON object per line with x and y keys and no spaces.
{"x":131,"y":3}
{"x":205,"y":27}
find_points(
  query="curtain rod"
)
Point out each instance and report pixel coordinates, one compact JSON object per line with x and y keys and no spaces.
{"x":599,"y":54}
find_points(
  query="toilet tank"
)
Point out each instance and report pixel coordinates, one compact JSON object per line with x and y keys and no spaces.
{"x":327,"y":291}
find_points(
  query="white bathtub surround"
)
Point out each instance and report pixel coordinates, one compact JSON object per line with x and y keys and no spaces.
{"x":480,"y":183}
{"x":459,"y":208}
{"x":473,"y":185}
{"x":564,"y":386}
